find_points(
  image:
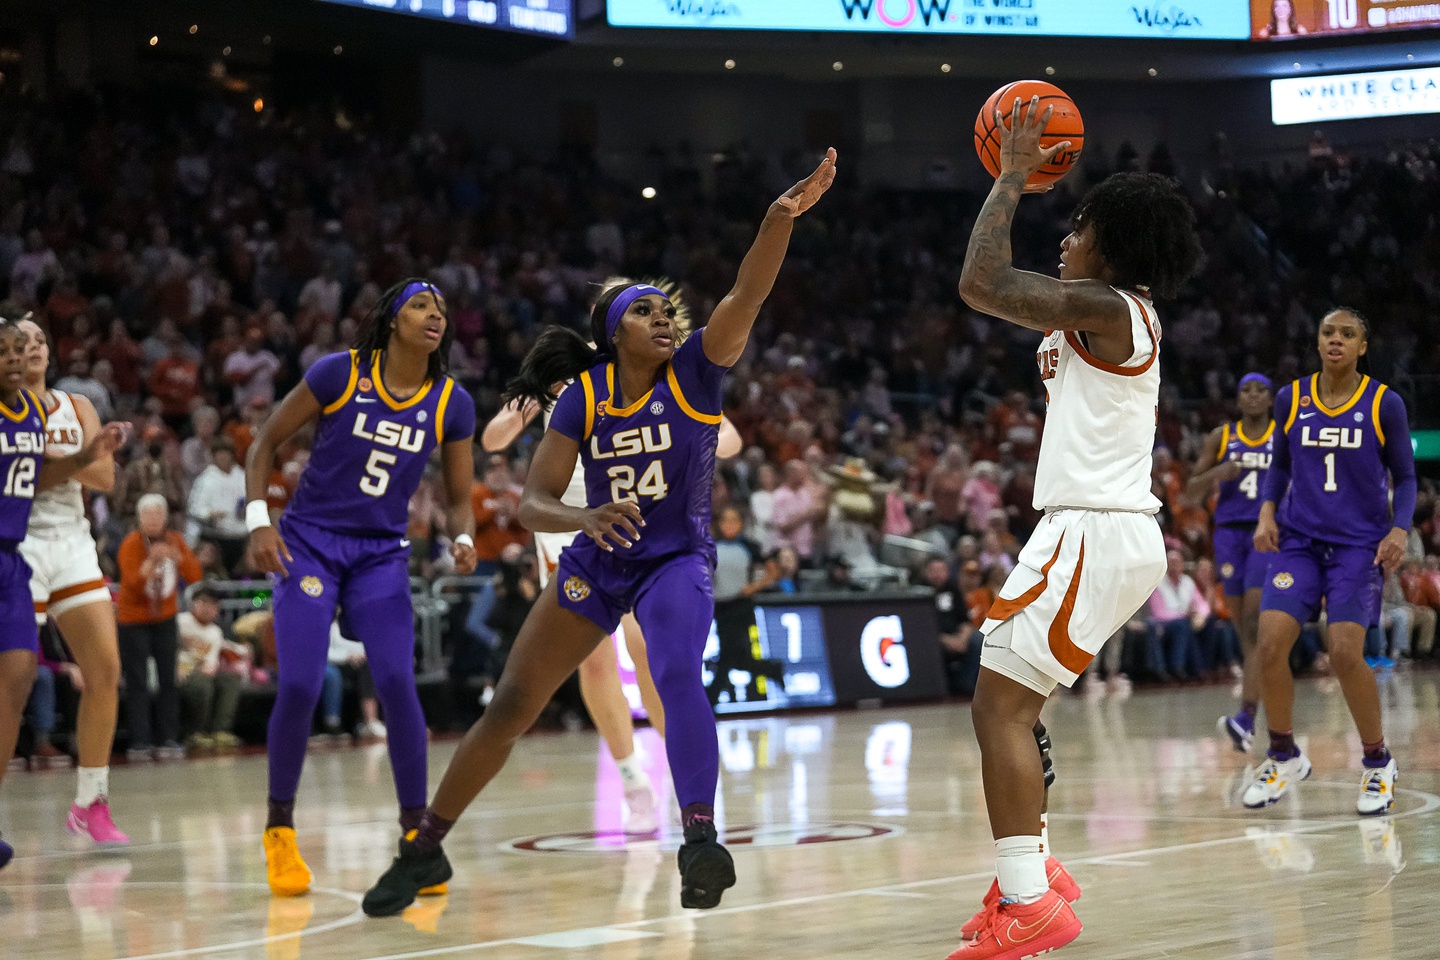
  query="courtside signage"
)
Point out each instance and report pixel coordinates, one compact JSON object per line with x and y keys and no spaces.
{"x":1191,"y":19}
{"x":1352,"y":96}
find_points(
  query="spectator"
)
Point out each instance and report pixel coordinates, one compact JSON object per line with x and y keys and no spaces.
{"x":1396,"y":623}
{"x":322,"y":293}
{"x":957,"y":632}
{"x":345,"y":660}
{"x":1424,"y":599}
{"x":40,"y":714}
{"x":496,"y":502}
{"x":125,"y":358}
{"x":784,"y":571}
{"x":217,"y":503}
{"x":79,"y":379}
{"x":146,"y":474}
{"x":153,"y":561}
{"x":981,"y":495}
{"x":795,"y":511}
{"x":176,"y":381}
{"x":211,"y":671}
{"x":251,"y":371}
{"x":242,"y":429}
{"x":1219,"y":640}
{"x":1177,"y":613}
{"x":735,"y":584}
{"x":945,"y":490}
{"x":762,"y":506}
{"x":212,"y":566}
{"x":195,"y":452}
{"x":992,"y":554}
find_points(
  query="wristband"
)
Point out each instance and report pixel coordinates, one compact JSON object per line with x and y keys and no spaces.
{"x":465,"y":540}
{"x":257,"y":515}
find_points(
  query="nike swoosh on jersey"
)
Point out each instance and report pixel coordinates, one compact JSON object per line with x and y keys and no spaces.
{"x":365,"y":400}
{"x":1306,"y":416}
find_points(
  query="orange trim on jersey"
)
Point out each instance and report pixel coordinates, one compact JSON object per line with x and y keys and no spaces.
{"x":49,"y":410}
{"x":65,"y":593}
{"x":1294,"y":405}
{"x":1070,"y":656}
{"x":589,"y":387}
{"x":1375,"y":413}
{"x":390,"y":401}
{"x":618,"y":411}
{"x":679,"y":395}
{"x":1224,"y":442}
{"x":24,"y":410}
{"x":349,"y":390}
{"x":1354,"y":397}
{"x":1003,"y":609}
{"x":1116,"y":368}
{"x":440,"y":410}
{"x":1264,"y":437}
{"x":40,"y":608}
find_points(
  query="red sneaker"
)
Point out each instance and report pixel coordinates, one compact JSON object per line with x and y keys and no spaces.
{"x":1060,"y":881}
{"x":1017,"y":931}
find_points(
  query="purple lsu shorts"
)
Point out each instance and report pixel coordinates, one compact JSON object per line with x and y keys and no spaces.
{"x":17,"y":609}
{"x":1240,"y":565}
{"x":603,"y":588}
{"x":1306,"y":571}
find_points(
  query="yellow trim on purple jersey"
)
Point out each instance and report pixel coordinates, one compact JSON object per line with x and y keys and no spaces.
{"x":1354,"y":397}
{"x":1375,"y":413}
{"x":588,"y":386}
{"x":1224,"y":442}
{"x":349,"y":391}
{"x":440,"y":410}
{"x":611,"y":401}
{"x":384,"y":394}
{"x":1294,"y":405}
{"x":1264,"y":437}
{"x":679,"y":395}
{"x":23,"y":412}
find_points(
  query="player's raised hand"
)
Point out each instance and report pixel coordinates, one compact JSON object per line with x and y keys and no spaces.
{"x":803,"y":195}
{"x":266,"y":549}
{"x":1020,"y":149}
{"x":618,"y":522}
{"x":1267,"y":534}
{"x":1391,"y":551}
{"x":111,"y":437}
{"x":464,"y":556}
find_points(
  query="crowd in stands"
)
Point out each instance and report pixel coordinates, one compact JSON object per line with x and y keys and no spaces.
{"x":190,"y":259}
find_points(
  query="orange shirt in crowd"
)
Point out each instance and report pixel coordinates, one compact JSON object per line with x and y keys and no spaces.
{"x":153,"y":599}
{"x":978,"y":602}
{"x":495,"y":529}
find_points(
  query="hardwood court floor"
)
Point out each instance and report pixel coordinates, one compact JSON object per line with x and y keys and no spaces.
{"x":855,"y":835}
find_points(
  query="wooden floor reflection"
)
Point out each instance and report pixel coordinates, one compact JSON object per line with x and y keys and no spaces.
{"x":856,"y":835}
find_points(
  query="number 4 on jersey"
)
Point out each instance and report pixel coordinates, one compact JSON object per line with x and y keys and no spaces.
{"x":1251,"y":485}
{"x":652,"y":482}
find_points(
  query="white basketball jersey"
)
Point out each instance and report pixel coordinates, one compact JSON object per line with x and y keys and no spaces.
{"x":575,"y":495}
{"x":1100,"y":423}
{"x":61,"y":509}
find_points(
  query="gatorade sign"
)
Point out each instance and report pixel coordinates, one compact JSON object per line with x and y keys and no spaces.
{"x":882,"y":652}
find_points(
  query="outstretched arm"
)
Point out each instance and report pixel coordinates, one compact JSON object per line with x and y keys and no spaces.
{"x":508,"y":424}
{"x":991,"y":284}
{"x":729,"y":327}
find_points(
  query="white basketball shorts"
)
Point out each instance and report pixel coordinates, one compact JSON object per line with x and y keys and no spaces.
{"x":64,"y":572}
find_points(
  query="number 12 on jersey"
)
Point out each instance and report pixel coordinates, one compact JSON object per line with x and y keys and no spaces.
{"x":652,"y":482}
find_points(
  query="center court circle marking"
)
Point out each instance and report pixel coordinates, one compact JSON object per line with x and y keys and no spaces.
{"x":345,"y":921}
{"x":743,"y":837}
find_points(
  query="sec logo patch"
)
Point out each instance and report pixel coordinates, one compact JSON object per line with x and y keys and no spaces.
{"x":312,"y":586}
{"x":657,"y":408}
{"x":1284,"y":581}
{"x":576,"y":589}
{"x":1227,"y":570}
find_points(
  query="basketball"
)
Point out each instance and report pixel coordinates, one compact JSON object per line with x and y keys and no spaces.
{"x":1065,"y":124}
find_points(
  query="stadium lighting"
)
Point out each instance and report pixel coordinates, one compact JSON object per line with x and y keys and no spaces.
{"x":648,"y":193}
{"x":154,"y":41}
{"x":837,"y":66}
{"x":729,"y":64}
{"x":944,"y":68}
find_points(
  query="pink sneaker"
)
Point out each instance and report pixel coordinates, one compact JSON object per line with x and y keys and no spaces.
{"x":642,"y":816}
{"x":95,"y":821}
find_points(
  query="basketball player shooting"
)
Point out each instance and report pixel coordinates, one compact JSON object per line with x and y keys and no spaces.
{"x":1098,"y":554}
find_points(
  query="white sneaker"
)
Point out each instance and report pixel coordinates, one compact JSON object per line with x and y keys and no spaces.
{"x":1377,"y":790}
{"x":640,"y":818}
{"x":374,"y":730}
{"x":1274,"y":778}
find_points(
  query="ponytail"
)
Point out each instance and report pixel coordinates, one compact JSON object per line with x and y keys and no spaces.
{"x":559,"y":356}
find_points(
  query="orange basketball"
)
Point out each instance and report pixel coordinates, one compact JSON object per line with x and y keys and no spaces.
{"x":1065,"y":124}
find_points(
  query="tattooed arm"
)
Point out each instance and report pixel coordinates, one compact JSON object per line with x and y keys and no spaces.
{"x":991,"y":284}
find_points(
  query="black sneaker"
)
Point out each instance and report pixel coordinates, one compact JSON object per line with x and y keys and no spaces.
{"x":410,"y":872}
{"x":706,"y":869}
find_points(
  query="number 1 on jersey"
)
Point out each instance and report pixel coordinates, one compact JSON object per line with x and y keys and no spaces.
{"x":652,"y":482}
{"x":1330,"y":485}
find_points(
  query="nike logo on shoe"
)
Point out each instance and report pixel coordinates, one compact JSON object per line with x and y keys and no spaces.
{"x":1020,"y":932}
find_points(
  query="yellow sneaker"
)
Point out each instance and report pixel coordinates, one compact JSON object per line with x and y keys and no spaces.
{"x":284,"y":867}
{"x":439,"y":890}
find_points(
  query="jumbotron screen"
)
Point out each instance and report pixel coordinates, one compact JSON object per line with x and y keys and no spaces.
{"x":543,"y":18}
{"x":1291,"y":19}
{"x":1188,"y":20}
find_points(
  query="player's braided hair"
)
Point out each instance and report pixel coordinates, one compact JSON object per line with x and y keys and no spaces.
{"x":561,"y":354}
{"x":1145,"y":230}
{"x":375,"y":329}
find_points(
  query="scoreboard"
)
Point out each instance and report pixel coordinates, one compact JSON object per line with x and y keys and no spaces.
{"x":1293,"y":19}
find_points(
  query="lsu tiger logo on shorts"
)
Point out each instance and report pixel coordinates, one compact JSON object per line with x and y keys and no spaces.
{"x":1227,"y":570}
{"x":576,"y":589}
{"x":1284,"y":581}
{"x":312,"y":586}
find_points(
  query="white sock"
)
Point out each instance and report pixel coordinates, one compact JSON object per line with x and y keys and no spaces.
{"x":1020,"y":868}
{"x":91,"y":784}
{"x":631,"y":772}
{"x":1045,"y":834}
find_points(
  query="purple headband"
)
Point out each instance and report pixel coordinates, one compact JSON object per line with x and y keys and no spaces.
{"x":1259,"y":378}
{"x":419,"y":286}
{"x":621,"y":303}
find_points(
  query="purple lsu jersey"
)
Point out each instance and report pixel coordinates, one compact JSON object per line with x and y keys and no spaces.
{"x":1337,"y":462}
{"x":370,"y":449}
{"x":22,"y":451}
{"x":1239,"y":499}
{"x":658,"y":451}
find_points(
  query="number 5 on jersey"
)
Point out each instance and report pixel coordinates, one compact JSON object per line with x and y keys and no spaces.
{"x":377,"y":478}
{"x":652,"y":482}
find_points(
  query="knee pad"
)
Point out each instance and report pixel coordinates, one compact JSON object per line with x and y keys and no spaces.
{"x":1042,"y":740}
